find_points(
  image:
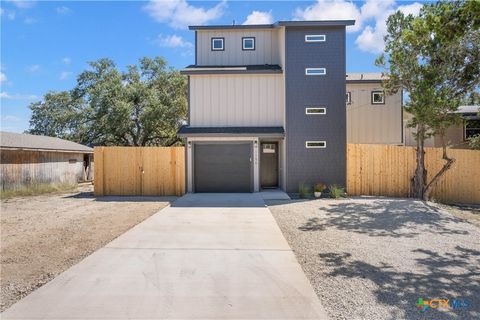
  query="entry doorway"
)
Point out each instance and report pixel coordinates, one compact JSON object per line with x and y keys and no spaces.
{"x":269,"y":165}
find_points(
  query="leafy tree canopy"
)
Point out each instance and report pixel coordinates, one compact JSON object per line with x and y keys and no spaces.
{"x":435,"y":58}
{"x":142,"y":106}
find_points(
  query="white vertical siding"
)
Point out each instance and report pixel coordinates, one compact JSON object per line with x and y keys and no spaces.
{"x":368,"y":123}
{"x":266,"y":47}
{"x":237,"y":100}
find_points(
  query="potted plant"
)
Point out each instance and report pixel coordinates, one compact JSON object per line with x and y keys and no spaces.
{"x":318,"y":189}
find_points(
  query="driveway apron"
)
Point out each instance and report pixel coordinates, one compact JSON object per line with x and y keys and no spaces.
{"x":207,"y":256}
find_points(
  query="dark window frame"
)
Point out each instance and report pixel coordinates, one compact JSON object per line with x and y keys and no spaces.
{"x":254,"y":43}
{"x":217,"y":38}
{"x":373,"y":93}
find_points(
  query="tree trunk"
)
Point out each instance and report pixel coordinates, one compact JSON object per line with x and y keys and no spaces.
{"x":448,"y":164}
{"x":419,"y":179}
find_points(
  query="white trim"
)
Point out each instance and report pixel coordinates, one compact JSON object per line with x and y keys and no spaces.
{"x":381,"y":93}
{"x":315,"y":147}
{"x":323,"y":109}
{"x":315,"y":35}
{"x":323,"y":71}
{"x":218,"y":49}
{"x":243,"y":43}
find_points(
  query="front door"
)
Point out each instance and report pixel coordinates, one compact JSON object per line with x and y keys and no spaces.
{"x":269,"y":164}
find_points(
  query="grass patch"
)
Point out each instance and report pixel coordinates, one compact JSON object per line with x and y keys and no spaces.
{"x":37,"y":189}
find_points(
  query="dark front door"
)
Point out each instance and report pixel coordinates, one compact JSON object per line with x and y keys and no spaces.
{"x":269,"y":164}
{"x":222,"y":167}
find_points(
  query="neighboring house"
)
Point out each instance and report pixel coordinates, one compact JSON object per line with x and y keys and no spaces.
{"x":29,"y":159}
{"x":456,"y":136}
{"x":372,"y":116}
{"x":266,"y":106}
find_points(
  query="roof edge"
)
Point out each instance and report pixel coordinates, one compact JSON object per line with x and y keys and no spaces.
{"x":311,"y":23}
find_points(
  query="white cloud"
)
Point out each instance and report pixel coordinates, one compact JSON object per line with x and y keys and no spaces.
{"x":173,"y":41}
{"x":65,"y":75}
{"x":66,"y":60}
{"x":5,"y":95}
{"x":30,"y":20}
{"x":331,"y":10}
{"x":259,"y":17}
{"x":23,"y":4}
{"x":3,"y":77}
{"x":10,"y":118}
{"x":11,"y":15}
{"x":63,"y":10}
{"x":33,"y":68}
{"x":179,"y":14}
{"x":371,"y":38}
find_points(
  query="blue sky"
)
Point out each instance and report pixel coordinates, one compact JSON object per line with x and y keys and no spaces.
{"x":45,"y":44}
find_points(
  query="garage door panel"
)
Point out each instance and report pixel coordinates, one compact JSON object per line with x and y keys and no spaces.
{"x":222,"y":167}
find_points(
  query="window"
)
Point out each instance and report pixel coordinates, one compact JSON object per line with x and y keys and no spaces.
{"x":315,"y":71}
{"x":313,"y":110}
{"x":378,"y":97}
{"x":472,"y":128}
{"x":315,"y":144}
{"x":248,"y":43}
{"x":268,"y":148}
{"x":218,"y":44}
{"x":315,"y":38}
{"x":349,"y":97}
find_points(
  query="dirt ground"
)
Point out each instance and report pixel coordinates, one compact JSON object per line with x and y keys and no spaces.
{"x":41,"y":236}
{"x":373,"y":258}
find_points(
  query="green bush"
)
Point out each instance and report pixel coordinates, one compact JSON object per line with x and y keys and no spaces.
{"x":336,"y":191}
{"x":474,"y":142}
{"x":303,"y":191}
{"x":319,"y":187}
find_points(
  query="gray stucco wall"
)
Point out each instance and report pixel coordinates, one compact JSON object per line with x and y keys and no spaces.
{"x":315,"y":165}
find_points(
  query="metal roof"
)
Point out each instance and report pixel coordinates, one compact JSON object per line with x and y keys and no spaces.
{"x":316,"y":23}
{"x":11,"y":140}
{"x":213,"y":131}
{"x":364,"y":77}
{"x":468,"y":109}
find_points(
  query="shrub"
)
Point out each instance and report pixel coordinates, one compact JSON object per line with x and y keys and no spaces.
{"x":303,"y":191}
{"x":474,"y":142}
{"x":336,"y":191}
{"x":319,"y":187}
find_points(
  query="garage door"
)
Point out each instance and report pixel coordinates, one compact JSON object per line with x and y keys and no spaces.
{"x":222,"y":167}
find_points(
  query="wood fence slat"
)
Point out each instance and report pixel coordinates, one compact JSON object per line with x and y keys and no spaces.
{"x":139,"y":171}
{"x":387,"y":171}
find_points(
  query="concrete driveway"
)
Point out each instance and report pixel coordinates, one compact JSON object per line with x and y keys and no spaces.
{"x":208,"y":256}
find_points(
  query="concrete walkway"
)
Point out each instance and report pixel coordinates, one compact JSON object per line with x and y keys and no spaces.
{"x":208,"y":256}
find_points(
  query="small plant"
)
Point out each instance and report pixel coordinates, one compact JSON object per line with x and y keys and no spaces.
{"x":336,"y":191}
{"x":474,"y":142}
{"x":303,"y":191}
{"x":319,"y":187}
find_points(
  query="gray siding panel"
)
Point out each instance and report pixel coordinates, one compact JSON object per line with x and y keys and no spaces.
{"x":315,"y":165}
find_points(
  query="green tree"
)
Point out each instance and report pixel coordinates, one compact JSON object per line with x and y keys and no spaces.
{"x":435,"y":58}
{"x":144,"y":105}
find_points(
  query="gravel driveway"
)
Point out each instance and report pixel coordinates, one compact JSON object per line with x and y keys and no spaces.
{"x":373,"y":258}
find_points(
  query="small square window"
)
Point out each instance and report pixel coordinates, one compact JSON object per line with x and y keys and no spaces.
{"x":315,"y":144}
{"x":218,"y":44}
{"x":315,"y":71}
{"x":348,"y":97}
{"x":313,"y":110}
{"x":315,"y":38}
{"x":378,"y":97}
{"x":248,"y":43}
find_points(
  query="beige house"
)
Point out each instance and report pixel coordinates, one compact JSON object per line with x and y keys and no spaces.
{"x":372,"y":116}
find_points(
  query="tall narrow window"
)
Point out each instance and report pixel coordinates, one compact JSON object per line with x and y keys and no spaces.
{"x":248,"y":43}
{"x":315,"y":38}
{"x":378,"y":97}
{"x":315,"y":71}
{"x":218,"y":44}
{"x":348,"y":97}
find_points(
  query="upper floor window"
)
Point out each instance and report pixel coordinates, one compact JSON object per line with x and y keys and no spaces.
{"x":348,"y":97}
{"x":218,"y":44}
{"x":378,"y":97}
{"x":315,"y":144}
{"x":315,"y":71}
{"x":315,"y":110}
{"x":315,"y":38}
{"x":248,"y":43}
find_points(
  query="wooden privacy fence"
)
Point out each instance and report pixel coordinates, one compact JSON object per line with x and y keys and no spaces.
{"x":158,"y":171}
{"x":386,"y":170}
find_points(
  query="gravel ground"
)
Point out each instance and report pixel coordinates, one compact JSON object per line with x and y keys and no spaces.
{"x":373,"y":258}
{"x":41,"y":236}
